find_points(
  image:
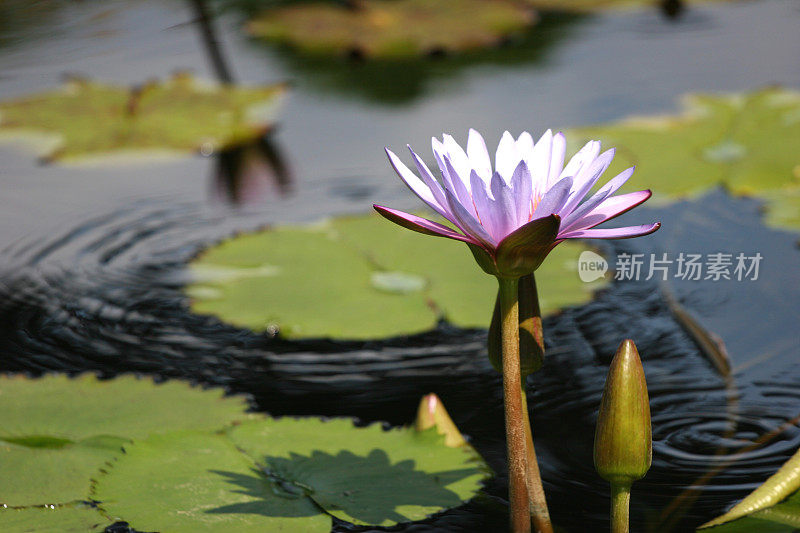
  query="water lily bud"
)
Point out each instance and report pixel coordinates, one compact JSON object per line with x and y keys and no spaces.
{"x":531,"y":345}
{"x":623,"y":440}
{"x":431,"y":413}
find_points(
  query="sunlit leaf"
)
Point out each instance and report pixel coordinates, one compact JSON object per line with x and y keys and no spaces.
{"x":774,"y":506}
{"x":360,"y":277}
{"x":744,"y":142}
{"x":63,"y":519}
{"x":393,"y":28}
{"x":56,"y":432}
{"x":86,"y":118}
{"x":280,"y":474}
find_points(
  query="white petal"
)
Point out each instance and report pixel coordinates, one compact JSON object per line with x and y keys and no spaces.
{"x":506,"y":158}
{"x":429,"y":180}
{"x":559,"y":150}
{"x":524,"y":144}
{"x":584,"y":157}
{"x":539,"y":163}
{"x":478,"y":155}
{"x":585,"y":180}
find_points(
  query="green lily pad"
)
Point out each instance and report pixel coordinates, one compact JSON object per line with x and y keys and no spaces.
{"x":63,"y":519}
{"x":358,"y":278}
{"x":56,"y":432}
{"x":365,"y":475}
{"x":392,"y":29}
{"x":197,"y":481}
{"x":744,"y":142}
{"x":291,"y":473}
{"x":85,"y":118}
{"x":589,"y":6}
{"x":772,"y":507}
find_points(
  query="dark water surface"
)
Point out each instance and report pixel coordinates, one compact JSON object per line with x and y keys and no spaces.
{"x":92,"y":261}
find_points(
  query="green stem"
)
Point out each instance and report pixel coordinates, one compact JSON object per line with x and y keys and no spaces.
{"x":620,"y":504}
{"x":512,"y":394}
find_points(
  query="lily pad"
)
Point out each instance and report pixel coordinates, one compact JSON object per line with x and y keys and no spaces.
{"x":64,"y":519}
{"x":86,"y":118}
{"x":772,"y":507}
{"x":393,"y":29}
{"x":56,"y":432}
{"x":360,"y":278}
{"x":293,"y":471}
{"x":589,"y":6}
{"x":745,"y":142}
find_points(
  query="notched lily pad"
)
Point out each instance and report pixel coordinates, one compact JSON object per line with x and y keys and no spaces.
{"x":746,"y":142}
{"x":56,"y":431}
{"x":85,"y":118}
{"x":365,"y":475}
{"x":285,"y":475}
{"x":359,"y":278}
{"x":63,"y":519}
{"x":393,"y":29}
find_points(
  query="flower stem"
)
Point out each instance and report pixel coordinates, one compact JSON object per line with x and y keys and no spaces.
{"x":620,"y":503}
{"x":540,"y":516}
{"x":514,"y":413}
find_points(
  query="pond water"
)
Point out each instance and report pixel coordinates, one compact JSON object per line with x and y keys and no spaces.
{"x":93,"y":257}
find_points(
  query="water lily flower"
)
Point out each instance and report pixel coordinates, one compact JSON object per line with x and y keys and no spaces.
{"x":514,"y":214}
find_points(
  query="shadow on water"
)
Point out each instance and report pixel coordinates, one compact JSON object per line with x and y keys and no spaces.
{"x":117,"y":306}
{"x":400,"y":82}
{"x":319,"y":478}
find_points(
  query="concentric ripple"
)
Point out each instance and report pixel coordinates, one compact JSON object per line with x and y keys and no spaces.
{"x":107,"y":296}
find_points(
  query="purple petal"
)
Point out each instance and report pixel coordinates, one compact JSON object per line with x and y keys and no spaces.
{"x":609,"y":208}
{"x":554,"y":199}
{"x":521,"y":186}
{"x":467,"y":222}
{"x":439,"y":152}
{"x":582,"y":159}
{"x":605,"y":191}
{"x":612,"y":233}
{"x":504,"y":208}
{"x":484,"y":205}
{"x":559,"y":150}
{"x":479,"y":155}
{"x":413,"y":182}
{"x":421,"y":225}
{"x":459,"y":188}
{"x":586,"y":179}
{"x":458,"y":158}
{"x":430,"y":181}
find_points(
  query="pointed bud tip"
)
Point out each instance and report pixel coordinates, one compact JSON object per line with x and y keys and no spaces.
{"x":623,"y":439}
{"x":431,"y":413}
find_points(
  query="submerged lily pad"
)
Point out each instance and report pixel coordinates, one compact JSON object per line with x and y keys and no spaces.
{"x":393,"y":28}
{"x":772,"y":507}
{"x":65,"y":519}
{"x":85,"y":118}
{"x":360,"y":277}
{"x":291,"y":473}
{"x":745,"y":142}
{"x":56,"y":432}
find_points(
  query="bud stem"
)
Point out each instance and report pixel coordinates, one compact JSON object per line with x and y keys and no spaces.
{"x":512,"y":395}
{"x":540,"y":516}
{"x":620,"y":504}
